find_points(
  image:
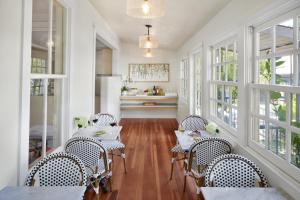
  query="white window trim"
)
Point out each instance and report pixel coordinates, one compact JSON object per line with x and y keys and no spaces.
{"x":199,"y":52}
{"x":232,"y":38}
{"x":25,"y":86}
{"x":274,"y":17}
{"x":184,"y":94}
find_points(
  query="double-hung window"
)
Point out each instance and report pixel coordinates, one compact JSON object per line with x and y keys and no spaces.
{"x":48,"y":77}
{"x":198,"y":83}
{"x":184,"y":74}
{"x":275,"y":91}
{"x":224,"y":86}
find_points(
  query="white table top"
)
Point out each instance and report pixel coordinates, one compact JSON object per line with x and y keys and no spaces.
{"x":43,"y":193}
{"x":112,"y":133}
{"x":185,"y":140}
{"x":216,"y":193}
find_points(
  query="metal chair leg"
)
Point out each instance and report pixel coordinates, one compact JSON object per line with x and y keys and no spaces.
{"x":124,"y":162}
{"x":172,"y":164}
{"x":185,"y":175}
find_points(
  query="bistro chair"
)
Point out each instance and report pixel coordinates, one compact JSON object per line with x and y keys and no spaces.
{"x":200,"y":155}
{"x":94,"y":156}
{"x":190,"y":123}
{"x":104,"y":119}
{"x":234,"y":170}
{"x":57,"y":169}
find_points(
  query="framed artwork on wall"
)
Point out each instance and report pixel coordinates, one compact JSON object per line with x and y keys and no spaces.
{"x":155,"y":72}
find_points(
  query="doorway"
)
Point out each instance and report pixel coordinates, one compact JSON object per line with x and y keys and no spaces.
{"x":103,"y":67}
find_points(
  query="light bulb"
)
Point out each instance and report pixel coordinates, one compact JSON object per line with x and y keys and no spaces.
{"x":148,"y":44}
{"x":146,"y":8}
{"x":148,"y":53}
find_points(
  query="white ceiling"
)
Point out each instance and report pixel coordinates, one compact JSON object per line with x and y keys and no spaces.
{"x":183,"y":18}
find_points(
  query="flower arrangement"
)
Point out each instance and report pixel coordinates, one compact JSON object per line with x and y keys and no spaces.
{"x":212,"y":128}
{"x":81,"y":122}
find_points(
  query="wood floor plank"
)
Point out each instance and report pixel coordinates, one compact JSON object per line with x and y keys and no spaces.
{"x":148,"y":143}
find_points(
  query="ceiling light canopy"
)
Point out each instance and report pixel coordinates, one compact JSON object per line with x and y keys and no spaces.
{"x":148,"y":53}
{"x":147,"y":9}
{"x":148,"y":41}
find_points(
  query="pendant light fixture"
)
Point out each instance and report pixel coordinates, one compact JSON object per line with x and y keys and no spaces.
{"x":148,"y":53}
{"x":147,"y":9}
{"x":148,"y":41}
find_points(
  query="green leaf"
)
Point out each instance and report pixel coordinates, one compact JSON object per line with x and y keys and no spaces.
{"x":275,"y":95}
{"x":278,"y":63}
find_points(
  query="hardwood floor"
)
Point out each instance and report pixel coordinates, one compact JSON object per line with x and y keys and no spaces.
{"x":148,"y":143}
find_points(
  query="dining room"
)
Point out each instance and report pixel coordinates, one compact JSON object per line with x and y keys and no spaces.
{"x":150,"y":99}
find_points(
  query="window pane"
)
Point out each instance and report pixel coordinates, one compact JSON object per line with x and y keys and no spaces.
{"x":263,"y":101}
{"x":226,"y":114}
{"x":226,"y":94}
{"x":265,"y":74}
{"x":278,"y":105}
{"x":219,"y":92}
{"x":236,"y":72}
{"x":216,"y":70}
{"x":216,"y":56}
{"x":58,"y":37}
{"x":219,"y":110}
{"x":277,"y":140}
{"x":284,"y":36}
{"x":40,"y":29}
{"x":36,"y":120}
{"x":295,"y":111}
{"x":223,"y":73}
{"x":234,"y":118}
{"x":53,"y":114}
{"x":262,"y":133}
{"x":295,"y":153}
{"x":230,"y":52}
{"x":284,"y":70}
{"x":230,"y":72}
{"x":223,"y":54}
{"x":234,"y":95}
{"x":265,"y":42}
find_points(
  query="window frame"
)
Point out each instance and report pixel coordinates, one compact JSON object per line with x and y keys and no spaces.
{"x":26,"y":76}
{"x":213,"y":99}
{"x":198,"y":77}
{"x":184,"y":79}
{"x":283,"y":164}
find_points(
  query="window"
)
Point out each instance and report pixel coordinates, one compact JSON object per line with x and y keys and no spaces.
{"x":224,"y":87}
{"x":47,"y":78}
{"x":275,"y":103}
{"x":197,"y":83}
{"x":184,"y":74}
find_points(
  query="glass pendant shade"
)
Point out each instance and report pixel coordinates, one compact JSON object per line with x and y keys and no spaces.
{"x":148,"y":53}
{"x":147,"y":9}
{"x":148,"y":42}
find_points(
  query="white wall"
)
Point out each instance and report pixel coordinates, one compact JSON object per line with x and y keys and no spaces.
{"x":10,"y":54}
{"x":131,"y":53}
{"x":233,"y":20}
{"x":82,"y":71}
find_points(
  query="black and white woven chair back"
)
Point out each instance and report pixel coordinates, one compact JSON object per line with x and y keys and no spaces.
{"x":88,"y":150}
{"x":58,"y":169}
{"x":194,"y":123}
{"x":233,"y":170}
{"x":207,"y":149}
{"x":103,"y":119}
